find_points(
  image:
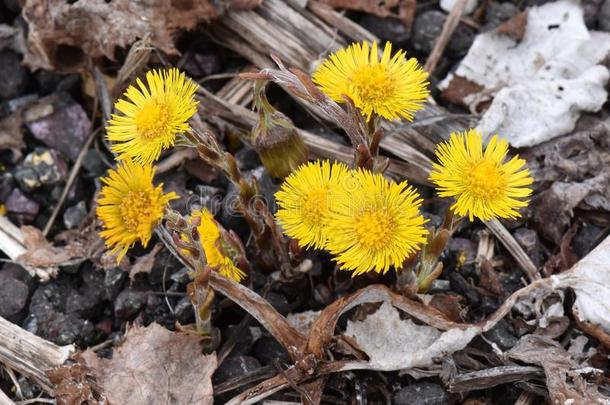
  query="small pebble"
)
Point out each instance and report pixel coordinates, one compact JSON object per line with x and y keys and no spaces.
{"x":386,"y":29}
{"x":74,"y":215}
{"x":128,"y":304}
{"x":268,"y":351}
{"x":502,"y":334}
{"x":14,"y":295}
{"x":60,"y":123}
{"x":184,"y":312}
{"x":114,"y":279}
{"x":421,"y":393}
{"x":15,"y":77}
{"x":21,"y":208}
{"x":234,"y":366}
{"x":42,"y":167}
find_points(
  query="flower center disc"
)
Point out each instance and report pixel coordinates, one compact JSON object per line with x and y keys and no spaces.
{"x":372,"y":83}
{"x":135,"y":206}
{"x":152,"y":119}
{"x":315,"y":204}
{"x":373,"y":229}
{"x":485,"y":180}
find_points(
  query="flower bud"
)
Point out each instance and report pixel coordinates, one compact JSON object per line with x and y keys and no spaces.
{"x":275,"y":138}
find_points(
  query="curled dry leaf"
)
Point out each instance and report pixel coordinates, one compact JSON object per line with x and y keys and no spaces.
{"x":393,"y":343}
{"x":62,"y":35}
{"x":553,"y":208}
{"x":40,"y":253}
{"x":590,"y":279}
{"x":155,"y":366}
{"x":564,"y":378}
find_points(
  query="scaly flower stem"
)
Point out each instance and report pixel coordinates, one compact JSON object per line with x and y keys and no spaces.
{"x":256,"y":213}
{"x":202,"y":297}
{"x":430,"y":268}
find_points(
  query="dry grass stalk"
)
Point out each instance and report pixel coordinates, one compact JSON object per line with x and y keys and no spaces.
{"x":299,"y":36}
{"x":449,"y":27}
{"x":29,"y":354}
{"x":4,"y":399}
{"x":11,"y":243}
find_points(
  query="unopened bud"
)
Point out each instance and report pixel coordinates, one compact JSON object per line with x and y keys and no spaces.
{"x":275,"y":138}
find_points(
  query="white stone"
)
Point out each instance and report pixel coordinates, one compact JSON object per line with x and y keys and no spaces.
{"x":447,"y":5}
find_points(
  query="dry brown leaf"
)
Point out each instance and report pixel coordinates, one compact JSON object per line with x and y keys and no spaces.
{"x":406,"y":12}
{"x":62,"y":35}
{"x":514,"y":27}
{"x":380,"y":8}
{"x":40,"y":253}
{"x":450,"y":305}
{"x":11,"y":135}
{"x":564,"y":378}
{"x":74,"y":385}
{"x":144,"y":264}
{"x":155,"y":366}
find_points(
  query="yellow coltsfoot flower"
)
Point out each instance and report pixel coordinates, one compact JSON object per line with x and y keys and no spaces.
{"x":129,"y":206}
{"x":392,"y":87}
{"x":306,"y":197}
{"x":215,"y":249}
{"x":151,"y":115}
{"x":483,"y":185}
{"x":378,"y":227}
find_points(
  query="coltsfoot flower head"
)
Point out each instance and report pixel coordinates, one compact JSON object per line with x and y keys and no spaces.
{"x":306,"y":198}
{"x":130,"y":206}
{"x":483,"y":185}
{"x":217,"y":250}
{"x":378,"y":228}
{"x":151,"y":115}
{"x":392,"y":87}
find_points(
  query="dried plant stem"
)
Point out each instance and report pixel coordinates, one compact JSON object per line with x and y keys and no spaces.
{"x":262,"y":311}
{"x":71,"y":178}
{"x":255,"y":211}
{"x":30,"y":355}
{"x":5,"y":400}
{"x":449,"y":27}
{"x":514,"y":248}
{"x":288,"y":30}
{"x":11,"y":243}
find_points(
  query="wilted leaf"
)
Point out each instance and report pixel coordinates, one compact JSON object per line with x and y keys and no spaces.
{"x":155,"y":366}
{"x":553,"y":208}
{"x":590,"y":279}
{"x":39,"y":252}
{"x":62,"y":35}
{"x":74,"y":384}
{"x":11,"y":135}
{"x":393,"y":343}
{"x":564,"y":379}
